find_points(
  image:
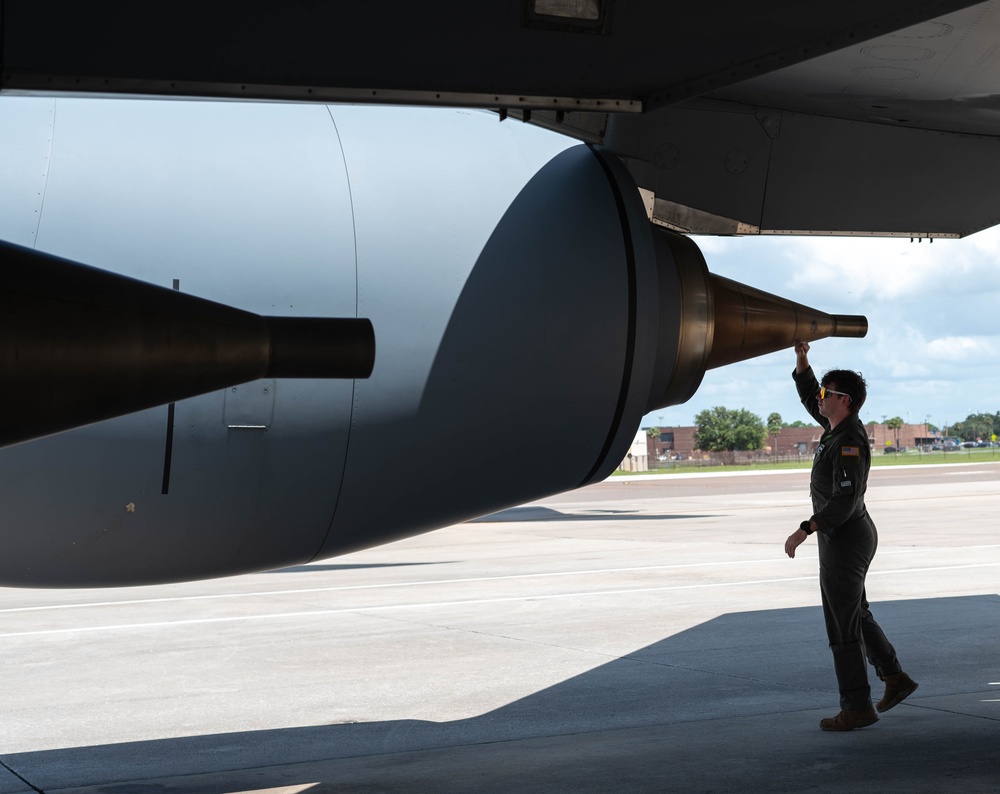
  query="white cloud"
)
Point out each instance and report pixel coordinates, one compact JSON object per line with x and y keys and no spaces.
{"x":986,"y":242}
{"x":716,"y":245}
{"x":875,"y":270}
{"x":962,"y":348}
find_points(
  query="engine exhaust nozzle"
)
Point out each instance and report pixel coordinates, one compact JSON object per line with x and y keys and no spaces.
{"x":79,"y":345}
{"x":707,"y":321}
{"x":749,"y":322}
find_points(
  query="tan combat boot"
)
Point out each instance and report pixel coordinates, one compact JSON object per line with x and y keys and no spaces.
{"x":849,"y":720}
{"x":897,"y":688}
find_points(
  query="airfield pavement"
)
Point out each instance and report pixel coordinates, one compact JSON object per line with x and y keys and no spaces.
{"x":641,"y":636}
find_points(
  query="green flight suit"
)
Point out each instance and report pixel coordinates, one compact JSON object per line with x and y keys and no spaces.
{"x":847,"y":540}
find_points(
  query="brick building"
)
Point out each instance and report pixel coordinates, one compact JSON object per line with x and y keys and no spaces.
{"x":677,"y":443}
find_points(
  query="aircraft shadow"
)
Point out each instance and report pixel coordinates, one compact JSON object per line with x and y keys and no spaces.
{"x":531,"y":513}
{"x":718,"y":707}
{"x":350,"y":567}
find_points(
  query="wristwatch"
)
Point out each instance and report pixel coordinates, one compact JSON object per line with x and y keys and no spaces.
{"x":805,"y":527}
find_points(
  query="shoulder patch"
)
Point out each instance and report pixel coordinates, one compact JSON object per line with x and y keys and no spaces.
{"x":853,"y":452}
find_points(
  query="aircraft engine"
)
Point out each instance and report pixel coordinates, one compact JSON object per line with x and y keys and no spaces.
{"x":515,"y":287}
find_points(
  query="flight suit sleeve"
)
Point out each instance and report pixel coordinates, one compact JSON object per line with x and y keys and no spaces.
{"x":808,"y":387}
{"x":849,"y":460}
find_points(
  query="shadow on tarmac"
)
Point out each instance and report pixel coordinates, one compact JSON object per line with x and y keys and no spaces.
{"x":529,"y":513}
{"x":353,"y":567}
{"x":730,"y":705}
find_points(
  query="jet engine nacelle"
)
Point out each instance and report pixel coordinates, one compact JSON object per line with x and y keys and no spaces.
{"x":526,"y":316}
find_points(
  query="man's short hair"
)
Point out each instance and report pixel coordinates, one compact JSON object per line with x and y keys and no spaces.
{"x":849,"y":382}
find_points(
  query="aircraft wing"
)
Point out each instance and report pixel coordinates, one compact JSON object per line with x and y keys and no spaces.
{"x":557,"y":54}
{"x":876,"y":118}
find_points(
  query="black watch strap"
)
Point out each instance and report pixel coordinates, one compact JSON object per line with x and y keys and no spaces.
{"x":804,"y":526}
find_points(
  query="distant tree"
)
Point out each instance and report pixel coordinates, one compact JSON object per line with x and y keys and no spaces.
{"x":720,"y":429}
{"x":975,"y":427}
{"x":985,"y":426}
{"x":894,"y":424}
{"x":653,"y":432}
{"x":774,"y":425}
{"x":798,"y":423}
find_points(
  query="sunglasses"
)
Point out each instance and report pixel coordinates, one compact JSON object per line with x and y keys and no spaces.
{"x":823,"y":392}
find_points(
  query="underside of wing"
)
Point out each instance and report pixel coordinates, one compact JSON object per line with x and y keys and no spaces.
{"x":873,"y":118}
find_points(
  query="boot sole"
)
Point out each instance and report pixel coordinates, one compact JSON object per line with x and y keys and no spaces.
{"x":837,"y":727}
{"x":896,"y":700}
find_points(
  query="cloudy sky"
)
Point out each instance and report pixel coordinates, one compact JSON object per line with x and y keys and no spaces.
{"x":934,"y":324}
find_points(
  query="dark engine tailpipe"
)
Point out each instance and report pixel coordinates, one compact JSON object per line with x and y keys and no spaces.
{"x":722,"y":321}
{"x":79,"y":345}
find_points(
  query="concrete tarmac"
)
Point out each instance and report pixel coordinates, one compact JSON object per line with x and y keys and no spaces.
{"x":648,"y":636}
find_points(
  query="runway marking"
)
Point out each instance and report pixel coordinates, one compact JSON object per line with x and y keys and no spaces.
{"x":386,"y":585}
{"x":465,"y":580}
{"x":443,"y":604}
{"x":383,"y":607}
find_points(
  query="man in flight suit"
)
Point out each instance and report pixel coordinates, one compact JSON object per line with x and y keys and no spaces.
{"x":847,"y":541}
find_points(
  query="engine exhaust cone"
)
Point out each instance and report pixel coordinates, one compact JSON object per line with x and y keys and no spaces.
{"x":707,"y":321}
{"x":750,"y":322}
{"x":79,"y":345}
